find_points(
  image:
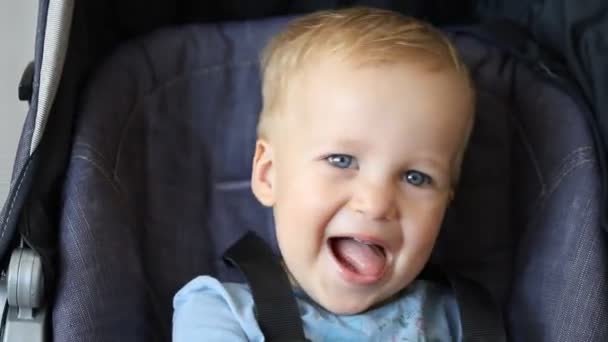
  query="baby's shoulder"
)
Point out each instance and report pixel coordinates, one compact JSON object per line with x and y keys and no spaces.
{"x":209,"y":289}
{"x":206,"y":307}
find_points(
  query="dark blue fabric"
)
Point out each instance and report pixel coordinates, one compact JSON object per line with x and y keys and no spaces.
{"x":558,"y":291}
{"x":157,"y":189}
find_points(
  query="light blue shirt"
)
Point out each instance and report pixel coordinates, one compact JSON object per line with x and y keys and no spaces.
{"x":207,"y":310}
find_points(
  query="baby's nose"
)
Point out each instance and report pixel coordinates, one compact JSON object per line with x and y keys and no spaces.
{"x":376,"y":200}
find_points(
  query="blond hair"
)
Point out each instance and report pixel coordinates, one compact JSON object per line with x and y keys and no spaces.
{"x":360,"y":35}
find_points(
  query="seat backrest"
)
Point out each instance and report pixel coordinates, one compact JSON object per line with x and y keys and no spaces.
{"x":157,"y":188}
{"x":558,"y":288}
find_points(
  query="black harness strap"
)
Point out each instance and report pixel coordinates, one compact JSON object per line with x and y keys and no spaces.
{"x":480,"y":316}
{"x":276,"y":308}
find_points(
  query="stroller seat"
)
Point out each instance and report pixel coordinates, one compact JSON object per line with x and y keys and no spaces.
{"x":157,"y":188}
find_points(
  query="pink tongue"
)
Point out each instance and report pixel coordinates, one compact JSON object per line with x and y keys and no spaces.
{"x":362,"y":258}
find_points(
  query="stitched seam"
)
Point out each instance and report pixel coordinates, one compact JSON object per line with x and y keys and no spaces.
{"x":530,"y":151}
{"x":543,"y":201}
{"x":570,"y":164}
{"x":90,"y":147}
{"x":204,"y":70}
{"x":10,"y":209}
{"x":572,"y":157}
{"x":567,"y":173}
{"x":78,"y":207}
{"x":564,"y":172}
{"x":100,"y":169}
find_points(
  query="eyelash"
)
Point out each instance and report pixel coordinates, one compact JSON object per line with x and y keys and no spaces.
{"x":335,"y":159}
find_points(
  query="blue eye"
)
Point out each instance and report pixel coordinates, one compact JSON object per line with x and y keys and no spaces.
{"x":342,"y":161}
{"x":417,"y":178}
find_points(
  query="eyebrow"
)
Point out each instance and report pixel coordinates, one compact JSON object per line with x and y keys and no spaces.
{"x":435,"y":163}
{"x":438,"y":162}
{"x":351,"y":144}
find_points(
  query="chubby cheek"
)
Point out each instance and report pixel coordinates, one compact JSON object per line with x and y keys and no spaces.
{"x":302,"y":212}
{"x":428,"y":223}
{"x":420,"y":231}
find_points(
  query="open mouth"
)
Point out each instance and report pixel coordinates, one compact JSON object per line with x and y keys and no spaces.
{"x":360,"y":261}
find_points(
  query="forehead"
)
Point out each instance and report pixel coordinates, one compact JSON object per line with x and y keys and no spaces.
{"x":404,"y":104}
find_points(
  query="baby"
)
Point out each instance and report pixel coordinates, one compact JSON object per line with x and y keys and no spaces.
{"x":366,"y":116}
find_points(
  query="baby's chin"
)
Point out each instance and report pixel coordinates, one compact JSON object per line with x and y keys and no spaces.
{"x":341,"y":303}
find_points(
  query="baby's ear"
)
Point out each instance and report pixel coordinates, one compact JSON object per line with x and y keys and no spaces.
{"x":262,"y":173}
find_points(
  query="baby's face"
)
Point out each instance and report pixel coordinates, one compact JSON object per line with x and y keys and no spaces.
{"x":359,"y":170}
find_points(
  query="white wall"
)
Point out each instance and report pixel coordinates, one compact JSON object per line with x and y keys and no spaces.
{"x":17,"y":34}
